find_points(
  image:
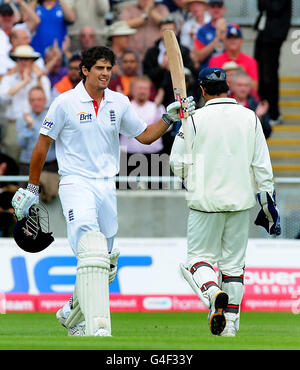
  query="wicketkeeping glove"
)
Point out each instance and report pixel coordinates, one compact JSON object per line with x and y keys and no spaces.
{"x":173,"y":109}
{"x":268,"y":217}
{"x":24,"y":199}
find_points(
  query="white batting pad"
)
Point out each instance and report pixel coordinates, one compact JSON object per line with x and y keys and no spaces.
{"x":189,"y":278}
{"x":92,"y":281}
{"x":75,"y":316}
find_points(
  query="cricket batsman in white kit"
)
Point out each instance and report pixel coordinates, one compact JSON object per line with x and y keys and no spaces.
{"x":230,"y":170}
{"x":85,"y":123}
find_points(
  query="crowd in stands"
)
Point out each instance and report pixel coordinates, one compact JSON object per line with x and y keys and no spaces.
{"x":40,"y":51}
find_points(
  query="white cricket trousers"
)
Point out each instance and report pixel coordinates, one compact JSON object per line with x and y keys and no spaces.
{"x":218,"y":238}
{"x":88,"y":204}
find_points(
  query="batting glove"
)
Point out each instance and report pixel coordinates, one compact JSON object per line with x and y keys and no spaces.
{"x":268,"y":217}
{"x":24,"y":199}
{"x":173,"y":109}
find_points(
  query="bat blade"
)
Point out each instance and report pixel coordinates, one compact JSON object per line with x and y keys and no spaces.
{"x":178,"y":81}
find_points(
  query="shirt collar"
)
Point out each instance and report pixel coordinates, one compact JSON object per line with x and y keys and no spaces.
{"x":220,"y":101}
{"x":85,"y":97}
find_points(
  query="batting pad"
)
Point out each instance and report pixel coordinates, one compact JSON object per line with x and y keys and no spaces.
{"x":189,"y":278}
{"x":76,"y":315}
{"x":92,"y":286}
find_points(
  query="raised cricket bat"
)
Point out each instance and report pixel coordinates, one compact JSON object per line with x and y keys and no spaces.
{"x":179,"y":87}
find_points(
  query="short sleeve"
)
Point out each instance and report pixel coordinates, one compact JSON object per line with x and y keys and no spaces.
{"x":131,"y":125}
{"x":200,"y":40}
{"x":54,"y":121}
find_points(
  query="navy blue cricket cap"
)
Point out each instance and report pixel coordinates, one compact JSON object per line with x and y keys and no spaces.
{"x":211,"y":75}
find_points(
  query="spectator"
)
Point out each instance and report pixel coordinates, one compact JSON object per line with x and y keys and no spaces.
{"x":14,"y":89}
{"x":131,"y":69}
{"x":233,"y":52}
{"x":21,"y":36}
{"x":199,"y":17}
{"x":28,"y":128}
{"x":29,"y":20}
{"x":8,"y":167}
{"x":210,"y":37}
{"x":231,"y":68}
{"x":7,"y":219}
{"x":272,"y":25}
{"x":72,"y":78}
{"x":119,"y":34}
{"x":156,"y":67}
{"x":134,"y":152}
{"x":7,"y":20}
{"x":54,"y":64}
{"x":155,"y":63}
{"x":180,"y":15}
{"x":88,"y":12}
{"x":145,"y":16}
{"x":241,"y":85}
{"x":87,"y":39}
{"x":54,"y":16}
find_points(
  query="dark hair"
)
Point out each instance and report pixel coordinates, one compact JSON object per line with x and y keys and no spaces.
{"x":91,"y":55}
{"x":216,"y":88}
{"x":74,"y":58}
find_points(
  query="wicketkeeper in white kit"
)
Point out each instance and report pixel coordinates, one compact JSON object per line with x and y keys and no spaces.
{"x":230,"y":170}
{"x":85,"y":123}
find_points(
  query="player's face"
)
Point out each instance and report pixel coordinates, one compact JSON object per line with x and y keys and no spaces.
{"x":99,"y":75}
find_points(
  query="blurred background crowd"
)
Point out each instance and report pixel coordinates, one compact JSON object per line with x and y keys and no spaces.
{"x":40,"y":53}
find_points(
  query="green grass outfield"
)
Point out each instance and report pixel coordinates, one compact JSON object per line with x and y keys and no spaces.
{"x":152,"y":331}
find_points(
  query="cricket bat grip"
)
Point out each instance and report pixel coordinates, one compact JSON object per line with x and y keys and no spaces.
{"x":184,"y":114}
{"x":187,"y":141}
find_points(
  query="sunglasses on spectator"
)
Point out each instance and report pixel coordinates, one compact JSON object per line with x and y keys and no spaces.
{"x":216,"y":5}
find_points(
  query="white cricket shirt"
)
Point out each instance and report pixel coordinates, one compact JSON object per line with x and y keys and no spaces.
{"x":87,"y":143}
{"x":231,"y":160}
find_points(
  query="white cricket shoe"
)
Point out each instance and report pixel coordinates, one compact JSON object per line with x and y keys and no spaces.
{"x":230,"y":330}
{"x":76,"y":331}
{"x":216,"y":317}
{"x":102,"y":333}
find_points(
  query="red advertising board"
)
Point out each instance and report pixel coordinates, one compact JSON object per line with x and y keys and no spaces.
{"x":265,"y":289}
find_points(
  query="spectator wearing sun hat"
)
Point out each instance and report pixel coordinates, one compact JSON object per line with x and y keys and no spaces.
{"x":233,"y":43}
{"x":119,"y":34}
{"x":14,"y":93}
{"x":198,"y":17}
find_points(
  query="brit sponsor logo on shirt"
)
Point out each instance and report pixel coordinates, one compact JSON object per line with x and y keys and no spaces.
{"x":47,"y":124}
{"x":85,"y":117}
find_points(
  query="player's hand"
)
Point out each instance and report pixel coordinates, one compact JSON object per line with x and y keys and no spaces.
{"x":173,"y":109}
{"x":22,"y":201}
{"x":268,"y":216}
